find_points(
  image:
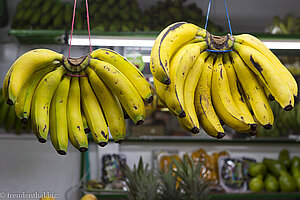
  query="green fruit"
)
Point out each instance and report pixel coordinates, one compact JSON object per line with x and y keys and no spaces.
{"x":274,"y":166}
{"x":67,"y":15}
{"x":257,"y":169}
{"x":3,"y":112}
{"x":10,"y":119}
{"x":271,"y":183}
{"x":287,"y":182}
{"x":295,"y":165}
{"x":284,"y":158}
{"x":28,"y":14}
{"x":45,"y":19}
{"x":47,"y":6}
{"x":58,"y":7}
{"x":58,"y":21}
{"x":256,"y":184}
{"x":35,"y":18}
{"x":297,"y":179}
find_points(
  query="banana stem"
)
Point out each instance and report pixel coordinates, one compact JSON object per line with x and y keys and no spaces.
{"x":219,"y":43}
{"x":76,"y":65}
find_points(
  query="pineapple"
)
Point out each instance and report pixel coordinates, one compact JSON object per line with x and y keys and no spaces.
{"x":142,"y":182}
{"x":169,"y":186}
{"x":193,"y":184}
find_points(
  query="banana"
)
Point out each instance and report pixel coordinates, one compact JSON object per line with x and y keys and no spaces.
{"x":237,"y":94}
{"x":93,"y":113}
{"x":223,"y":101}
{"x":122,"y":88}
{"x":58,"y":116}
{"x":133,"y":74}
{"x":76,"y":132}
{"x":253,"y":91}
{"x":268,"y":74}
{"x":24,"y":67}
{"x":266,"y":90}
{"x":167,"y":43}
{"x":111,"y":107}
{"x":181,"y":64}
{"x":208,"y":118}
{"x":24,"y":99}
{"x":85,"y":124}
{"x":168,"y":95}
{"x":41,"y":102}
{"x":249,"y":40}
{"x":190,"y":122}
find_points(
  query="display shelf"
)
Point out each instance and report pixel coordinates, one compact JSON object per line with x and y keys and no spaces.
{"x":174,"y":139}
{"x":120,"y":194}
{"x":25,"y":36}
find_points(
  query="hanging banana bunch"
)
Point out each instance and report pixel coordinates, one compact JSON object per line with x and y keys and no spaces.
{"x":67,"y":97}
{"x":208,"y":81}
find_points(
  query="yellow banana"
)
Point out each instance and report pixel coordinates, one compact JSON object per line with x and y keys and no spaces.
{"x":266,"y":90}
{"x":181,"y":64}
{"x":122,"y":88}
{"x":24,"y":99}
{"x":111,"y":107}
{"x":76,"y":132}
{"x":190,"y":122}
{"x":268,"y":74}
{"x":133,"y":74}
{"x":167,"y":43}
{"x":222,"y":98}
{"x":58,"y":116}
{"x":169,"y":97}
{"x":41,"y":102}
{"x":85,"y":124}
{"x":237,"y":94}
{"x":93,"y":113}
{"x":208,"y":118}
{"x":253,"y":92}
{"x":249,"y":40}
{"x":25,"y":66}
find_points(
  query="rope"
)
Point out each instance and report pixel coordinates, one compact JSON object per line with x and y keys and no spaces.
{"x":74,"y":9}
{"x":227,"y":13}
{"x":88,"y":23}
{"x":229,"y":24}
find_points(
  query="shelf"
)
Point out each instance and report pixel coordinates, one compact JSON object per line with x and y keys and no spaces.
{"x":120,"y":194}
{"x":176,"y":139}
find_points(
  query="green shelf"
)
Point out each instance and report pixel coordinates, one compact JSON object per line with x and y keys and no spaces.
{"x":176,"y":139}
{"x":26,"y":36}
{"x":120,"y":194}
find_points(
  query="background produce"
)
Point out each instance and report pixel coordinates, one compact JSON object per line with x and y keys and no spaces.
{"x":276,"y":175}
{"x":8,"y":119}
{"x":48,"y":14}
{"x":289,"y":24}
{"x":107,"y":15}
{"x":285,"y":123}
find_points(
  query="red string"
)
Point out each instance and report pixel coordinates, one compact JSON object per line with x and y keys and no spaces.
{"x":88,"y":23}
{"x":73,"y":19}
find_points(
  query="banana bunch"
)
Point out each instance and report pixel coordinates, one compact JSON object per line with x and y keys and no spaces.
{"x":69,"y":97}
{"x":210,"y":88}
